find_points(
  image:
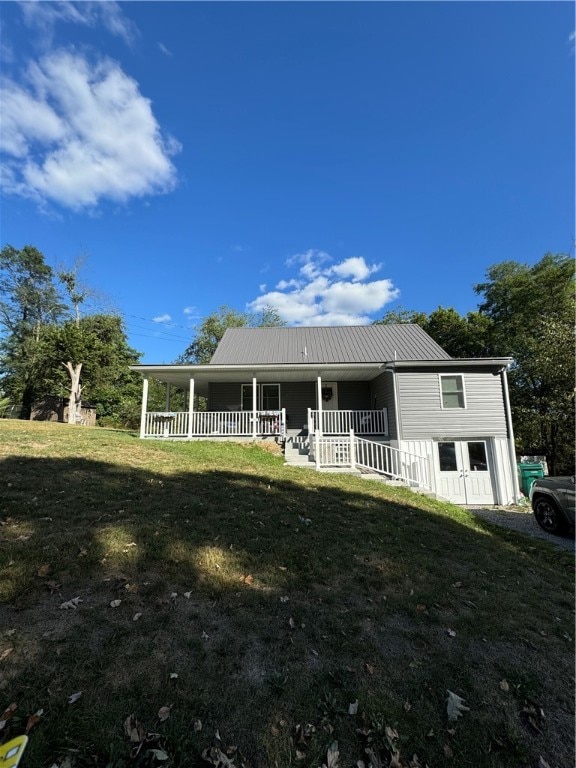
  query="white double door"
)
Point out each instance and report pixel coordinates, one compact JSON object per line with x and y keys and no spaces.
{"x":464,"y":472}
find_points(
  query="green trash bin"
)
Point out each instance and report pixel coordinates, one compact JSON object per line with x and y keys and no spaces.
{"x":527,"y":474}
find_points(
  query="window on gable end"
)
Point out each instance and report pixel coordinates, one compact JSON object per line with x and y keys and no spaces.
{"x":452,"y":389}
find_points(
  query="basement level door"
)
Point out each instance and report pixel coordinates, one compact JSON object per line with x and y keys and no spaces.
{"x":464,"y":472}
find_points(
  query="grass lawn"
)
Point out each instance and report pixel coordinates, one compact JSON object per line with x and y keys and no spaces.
{"x":254,"y":603}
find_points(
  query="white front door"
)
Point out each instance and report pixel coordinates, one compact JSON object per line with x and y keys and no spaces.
{"x":464,"y":471}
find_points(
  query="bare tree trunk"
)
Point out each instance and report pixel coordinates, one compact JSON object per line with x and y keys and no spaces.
{"x":75,"y":398}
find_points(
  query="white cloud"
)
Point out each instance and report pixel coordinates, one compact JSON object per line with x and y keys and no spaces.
{"x":166,"y":51}
{"x":355,"y":268}
{"x":76,"y":132}
{"x":44,"y":16}
{"x":191,"y":311}
{"x":317,"y":297}
{"x":161,"y":319}
{"x":262,"y":287}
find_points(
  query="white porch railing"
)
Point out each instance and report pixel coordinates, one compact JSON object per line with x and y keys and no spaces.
{"x":170,"y":424}
{"x":341,"y":422}
{"x":352,"y":451}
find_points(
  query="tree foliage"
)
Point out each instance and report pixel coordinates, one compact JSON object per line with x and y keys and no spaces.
{"x":210,"y":331}
{"x":531,"y":311}
{"x":526,"y":313}
{"x":40,"y":336}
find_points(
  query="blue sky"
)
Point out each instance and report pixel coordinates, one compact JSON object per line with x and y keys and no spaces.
{"x":333,"y":160}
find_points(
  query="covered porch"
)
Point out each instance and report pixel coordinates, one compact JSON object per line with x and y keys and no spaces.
{"x":260,"y":402}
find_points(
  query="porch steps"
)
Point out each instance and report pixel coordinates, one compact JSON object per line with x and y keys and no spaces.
{"x":297,"y":450}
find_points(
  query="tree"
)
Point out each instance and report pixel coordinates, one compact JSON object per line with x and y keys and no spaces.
{"x":460,"y":336}
{"x":77,"y":296}
{"x":29,"y":303}
{"x":531,"y":311}
{"x":212,"y":328}
{"x":100,"y":342}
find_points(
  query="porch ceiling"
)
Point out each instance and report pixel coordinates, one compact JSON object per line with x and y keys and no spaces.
{"x":179,"y":375}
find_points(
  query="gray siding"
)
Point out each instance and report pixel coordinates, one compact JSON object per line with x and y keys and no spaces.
{"x":296,"y":397}
{"x":225,"y":397}
{"x":422,"y":415}
{"x":382,"y":396}
{"x":354,"y":396}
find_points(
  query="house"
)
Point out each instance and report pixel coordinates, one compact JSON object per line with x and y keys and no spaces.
{"x":381,"y":398}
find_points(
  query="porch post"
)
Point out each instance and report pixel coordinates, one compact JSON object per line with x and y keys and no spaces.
{"x":167,"y":397}
{"x":352,"y":451}
{"x":320,"y":420}
{"x":190,"y":406}
{"x":254,"y":407}
{"x":144,"y":406}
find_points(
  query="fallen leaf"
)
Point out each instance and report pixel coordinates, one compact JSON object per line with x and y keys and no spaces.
{"x":447,"y":751}
{"x":284,"y":599}
{"x":43,"y":571}
{"x":332,"y":756}
{"x":455,"y":706}
{"x":10,"y":632}
{"x":504,"y":686}
{"x":136,"y":616}
{"x":216,"y":757}
{"x":132,"y":588}
{"x":353,"y":708}
{"x":173,"y":595}
{"x":197,"y":725}
{"x":457,"y":584}
{"x":450,"y":633}
{"x":248,"y":579}
{"x":134,"y":729}
{"x":159,"y":754}
{"x":5,"y":653}
{"x":187,"y":595}
{"x":542,"y":763}
{"x":74,"y":697}
{"x":115,"y":603}
{"x":369,"y":668}
{"x":205,"y":636}
{"x":291,"y":623}
{"x":74,"y":603}
{"x":33,"y":720}
{"x":173,"y":675}
{"x":7,"y":714}
{"x":164,"y":713}
{"x":52,"y":585}
{"x":407,"y":706}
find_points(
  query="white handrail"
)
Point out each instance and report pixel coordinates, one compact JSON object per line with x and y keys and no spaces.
{"x":363,"y":422}
{"x":352,"y":451}
{"x":172,"y":424}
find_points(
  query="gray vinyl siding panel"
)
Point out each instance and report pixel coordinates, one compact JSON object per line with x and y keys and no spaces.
{"x":354,"y":396}
{"x":422,"y":415}
{"x":297,"y":397}
{"x":225,"y":396}
{"x":382,"y":396}
{"x":351,"y":344}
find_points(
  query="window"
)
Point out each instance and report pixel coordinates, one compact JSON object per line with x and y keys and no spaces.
{"x":267,"y":397}
{"x":447,"y":456}
{"x":477,"y":457}
{"x":452,"y":391}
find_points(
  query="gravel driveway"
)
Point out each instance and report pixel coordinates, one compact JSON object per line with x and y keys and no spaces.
{"x":522,"y":520}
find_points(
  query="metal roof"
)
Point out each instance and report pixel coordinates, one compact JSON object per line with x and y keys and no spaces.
{"x":332,"y":344}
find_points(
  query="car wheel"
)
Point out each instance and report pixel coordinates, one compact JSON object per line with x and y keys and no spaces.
{"x":548,"y":516}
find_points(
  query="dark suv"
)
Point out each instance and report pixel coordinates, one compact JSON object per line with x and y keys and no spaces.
{"x":553,"y":502}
